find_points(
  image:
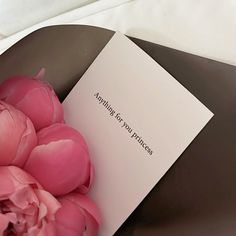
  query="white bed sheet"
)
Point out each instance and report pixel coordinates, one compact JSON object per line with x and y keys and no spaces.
{"x":25,"y":13}
{"x":203,"y":27}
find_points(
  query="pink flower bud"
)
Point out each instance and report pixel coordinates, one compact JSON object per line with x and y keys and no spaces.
{"x":34,"y":97}
{"x":25,"y":208}
{"x":60,"y":162}
{"x":17,"y":136}
{"x":77,"y":216}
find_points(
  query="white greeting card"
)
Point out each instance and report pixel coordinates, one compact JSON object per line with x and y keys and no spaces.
{"x":137,"y":120}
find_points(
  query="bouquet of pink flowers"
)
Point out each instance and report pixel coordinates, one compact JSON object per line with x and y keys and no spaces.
{"x":45,"y":170}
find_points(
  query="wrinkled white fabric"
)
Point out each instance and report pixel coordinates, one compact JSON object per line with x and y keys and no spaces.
{"x":16,"y":15}
{"x":203,"y":27}
{"x":65,"y":18}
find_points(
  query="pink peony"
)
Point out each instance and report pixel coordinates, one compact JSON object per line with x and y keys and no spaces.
{"x":77,"y":216}
{"x":60,"y":162}
{"x":17,"y":136}
{"x":25,"y":208}
{"x":34,"y":97}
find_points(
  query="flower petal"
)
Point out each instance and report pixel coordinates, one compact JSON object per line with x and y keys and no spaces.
{"x":34,"y":97}
{"x":57,"y":113}
{"x":27,"y":142}
{"x":49,"y":201}
{"x":10,"y":133}
{"x":85,"y":203}
{"x":70,"y":219}
{"x":13,"y":124}
{"x":29,"y":209}
{"x":13,"y":89}
{"x":21,"y":177}
{"x":47,"y":229}
{"x":60,"y":166}
{"x":12,"y":217}
{"x":4,"y":221}
{"x":84,"y":188}
{"x":60,"y":131}
{"x":23,"y":197}
{"x":91,"y":225}
{"x":40,"y":74}
{"x":62,"y":231}
{"x":7,"y":186}
{"x":31,"y":109}
{"x":42,"y":211}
